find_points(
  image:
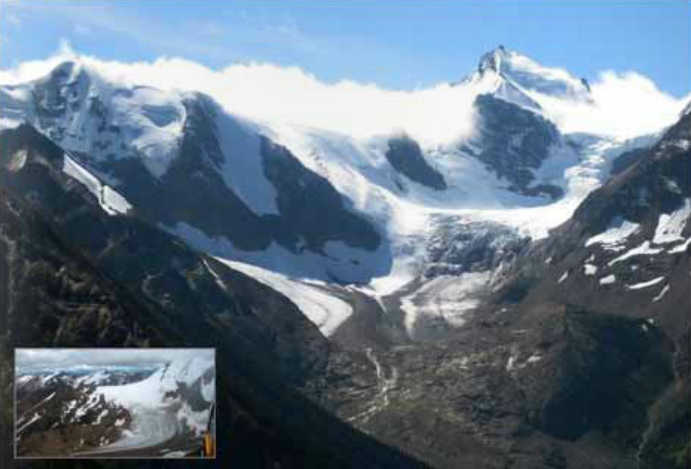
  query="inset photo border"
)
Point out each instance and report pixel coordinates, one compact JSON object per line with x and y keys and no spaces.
{"x":115,"y":403}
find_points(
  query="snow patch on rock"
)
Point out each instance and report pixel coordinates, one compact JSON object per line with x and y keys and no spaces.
{"x":670,"y":226}
{"x":608,"y":280}
{"x":445,"y":297}
{"x":617,"y":232}
{"x":642,"y":250}
{"x":642,"y":285}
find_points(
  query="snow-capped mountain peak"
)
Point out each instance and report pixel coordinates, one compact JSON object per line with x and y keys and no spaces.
{"x":492,"y":60}
{"x":525,"y":78}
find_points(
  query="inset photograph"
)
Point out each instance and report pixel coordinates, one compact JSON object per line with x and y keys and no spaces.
{"x":115,"y":403}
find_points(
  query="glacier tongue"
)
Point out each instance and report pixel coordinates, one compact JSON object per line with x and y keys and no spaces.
{"x":323,"y":308}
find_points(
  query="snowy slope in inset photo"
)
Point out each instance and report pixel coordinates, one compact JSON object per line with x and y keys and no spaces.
{"x":145,"y":402}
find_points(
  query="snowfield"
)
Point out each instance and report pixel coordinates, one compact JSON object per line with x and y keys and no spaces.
{"x":114,"y":116}
{"x":159,"y":412}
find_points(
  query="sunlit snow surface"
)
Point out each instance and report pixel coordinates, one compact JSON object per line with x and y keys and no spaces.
{"x":109,"y":200}
{"x":325,"y":310}
{"x":159,"y":413}
{"x":615,"y":235}
{"x":148,"y":123}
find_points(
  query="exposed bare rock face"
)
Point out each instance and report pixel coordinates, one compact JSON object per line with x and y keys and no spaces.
{"x":405,"y":155}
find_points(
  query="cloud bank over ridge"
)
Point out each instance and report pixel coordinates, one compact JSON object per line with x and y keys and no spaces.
{"x":624,"y":104}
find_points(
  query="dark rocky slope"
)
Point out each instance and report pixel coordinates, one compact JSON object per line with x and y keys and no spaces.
{"x":557,"y":370}
{"x":72,"y":275}
{"x":638,"y":275}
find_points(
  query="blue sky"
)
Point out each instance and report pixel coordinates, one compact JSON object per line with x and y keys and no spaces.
{"x":394,"y":44}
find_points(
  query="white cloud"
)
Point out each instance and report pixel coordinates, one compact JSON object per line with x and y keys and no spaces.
{"x":624,"y":104}
{"x":273,"y":94}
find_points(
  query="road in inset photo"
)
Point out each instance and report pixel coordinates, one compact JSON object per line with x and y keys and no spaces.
{"x":112,"y":403}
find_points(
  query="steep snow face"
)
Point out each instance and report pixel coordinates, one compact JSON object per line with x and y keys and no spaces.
{"x":110,"y":201}
{"x":151,"y":121}
{"x":242,"y":164}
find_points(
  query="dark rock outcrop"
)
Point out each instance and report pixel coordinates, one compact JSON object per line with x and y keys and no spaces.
{"x":513,"y":142}
{"x":311,"y":208}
